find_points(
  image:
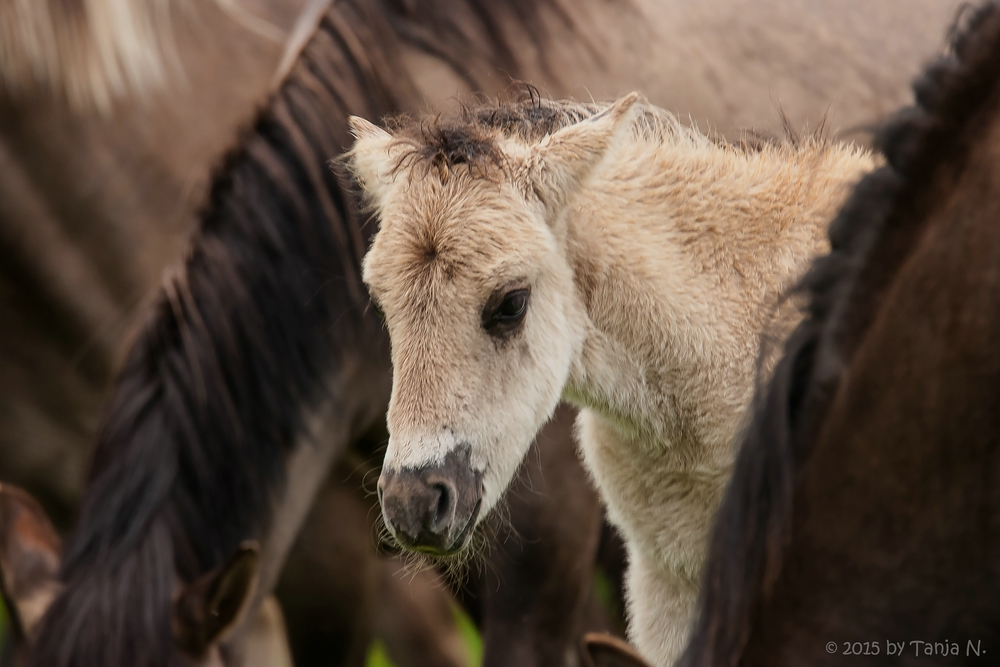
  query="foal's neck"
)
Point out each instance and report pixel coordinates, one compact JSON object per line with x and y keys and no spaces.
{"x":680,"y":254}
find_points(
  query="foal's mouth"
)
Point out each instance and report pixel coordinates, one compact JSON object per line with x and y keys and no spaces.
{"x":457,"y":545}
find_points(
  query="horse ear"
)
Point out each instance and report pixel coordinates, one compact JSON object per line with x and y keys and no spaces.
{"x":563,"y":159}
{"x":29,"y":558}
{"x":601,"y":650}
{"x":214,"y":603}
{"x":370,"y":159}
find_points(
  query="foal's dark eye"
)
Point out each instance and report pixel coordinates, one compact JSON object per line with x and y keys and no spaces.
{"x":505,"y":311}
{"x":378,"y":310}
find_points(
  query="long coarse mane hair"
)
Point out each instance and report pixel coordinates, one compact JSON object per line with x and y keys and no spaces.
{"x":210,"y":398}
{"x":242,"y":339}
{"x":871,"y":238}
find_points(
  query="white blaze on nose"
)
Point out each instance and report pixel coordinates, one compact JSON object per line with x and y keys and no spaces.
{"x":419,"y":451}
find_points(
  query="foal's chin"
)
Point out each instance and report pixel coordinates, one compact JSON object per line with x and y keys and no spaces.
{"x":456,"y":547}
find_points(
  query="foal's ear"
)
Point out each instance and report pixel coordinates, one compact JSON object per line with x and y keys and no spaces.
{"x":564,"y":159}
{"x":370,"y":159}
{"x":212,"y":604}
{"x":601,"y":650}
{"x":29,"y":558}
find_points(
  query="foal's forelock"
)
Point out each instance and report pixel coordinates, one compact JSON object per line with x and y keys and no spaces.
{"x":486,"y":140}
{"x":473,"y":138}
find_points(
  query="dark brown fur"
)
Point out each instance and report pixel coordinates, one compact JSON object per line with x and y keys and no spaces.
{"x":863,"y":502}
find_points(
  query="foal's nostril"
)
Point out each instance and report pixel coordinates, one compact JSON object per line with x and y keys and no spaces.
{"x":444,"y":507}
{"x":434,"y":507}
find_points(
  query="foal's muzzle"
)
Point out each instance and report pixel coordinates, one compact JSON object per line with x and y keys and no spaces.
{"x":433,"y":508}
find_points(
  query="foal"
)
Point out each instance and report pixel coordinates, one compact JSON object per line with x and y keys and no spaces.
{"x":607,"y":255}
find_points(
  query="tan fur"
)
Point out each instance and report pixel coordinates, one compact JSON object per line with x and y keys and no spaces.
{"x":266,"y":641}
{"x":94,"y":52}
{"x":655,"y":257}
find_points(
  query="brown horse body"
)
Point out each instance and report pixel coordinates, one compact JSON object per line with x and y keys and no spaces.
{"x":860,"y":527}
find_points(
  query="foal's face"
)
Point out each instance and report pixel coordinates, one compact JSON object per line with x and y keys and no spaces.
{"x":478,"y":300}
{"x":472,"y":279}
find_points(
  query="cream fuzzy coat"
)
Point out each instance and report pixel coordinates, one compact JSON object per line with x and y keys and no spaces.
{"x":655,"y":258}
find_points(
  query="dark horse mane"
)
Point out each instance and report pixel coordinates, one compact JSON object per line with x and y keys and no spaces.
{"x":240,"y":342}
{"x":871,"y":238}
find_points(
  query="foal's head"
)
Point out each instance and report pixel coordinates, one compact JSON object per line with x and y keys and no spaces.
{"x":470,"y":272}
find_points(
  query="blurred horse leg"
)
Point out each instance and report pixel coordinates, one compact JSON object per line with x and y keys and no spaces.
{"x":533,"y":594}
{"x":330,"y":583}
{"x":339,"y":594}
{"x":416,"y":620}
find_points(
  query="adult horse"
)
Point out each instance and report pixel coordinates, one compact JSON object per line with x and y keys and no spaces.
{"x":72,"y":195}
{"x":860,"y":527}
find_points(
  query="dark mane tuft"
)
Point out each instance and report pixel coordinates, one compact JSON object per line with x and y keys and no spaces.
{"x":870,"y":238}
{"x":528,"y":116}
{"x":444,"y":144}
{"x":471,"y":136}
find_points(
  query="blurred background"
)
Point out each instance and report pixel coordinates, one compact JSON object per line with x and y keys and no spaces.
{"x":115,"y":116}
